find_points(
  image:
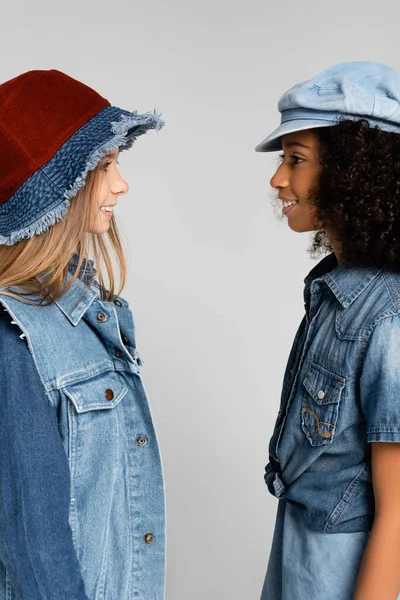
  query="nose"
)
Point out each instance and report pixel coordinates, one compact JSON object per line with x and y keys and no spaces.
{"x":119,"y":186}
{"x":281,"y":178}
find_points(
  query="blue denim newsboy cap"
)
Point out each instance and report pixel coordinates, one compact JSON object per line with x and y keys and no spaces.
{"x":352,"y":90}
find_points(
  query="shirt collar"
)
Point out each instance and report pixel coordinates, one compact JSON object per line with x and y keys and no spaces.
{"x":83,"y":292}
{"x":87,"y":270}
{"x":345,"y":282}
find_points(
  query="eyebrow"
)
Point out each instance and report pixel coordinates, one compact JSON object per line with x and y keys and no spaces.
{"x":291,"y":144}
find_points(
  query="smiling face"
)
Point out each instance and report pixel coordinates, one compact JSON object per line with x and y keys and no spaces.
{"x":296,"y":176}
{"x":111,"y":186}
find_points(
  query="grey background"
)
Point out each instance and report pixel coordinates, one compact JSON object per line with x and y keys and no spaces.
{"x":215,"y":280}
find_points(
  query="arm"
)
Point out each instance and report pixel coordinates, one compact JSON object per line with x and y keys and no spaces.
{"x":35,"y":538}
{"x":379,"y":575}
{"x":380,"y":570}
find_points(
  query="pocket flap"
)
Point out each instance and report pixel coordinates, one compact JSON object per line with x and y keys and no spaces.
{"x":102,"y":392}
{"x":323,"y":386}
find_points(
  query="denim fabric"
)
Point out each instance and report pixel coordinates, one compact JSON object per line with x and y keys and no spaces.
{"x":310,"y":565}
{"x":352,"y":90}
{"x":341,"y":391}
{"x":37,"y":556}
{"x":84,"y":350}
{"x":44,"y":197}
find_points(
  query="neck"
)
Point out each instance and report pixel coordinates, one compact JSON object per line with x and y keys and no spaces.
{"x":336,"y":247}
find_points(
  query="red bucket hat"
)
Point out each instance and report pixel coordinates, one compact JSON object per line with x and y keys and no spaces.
{"x":53,"y":131}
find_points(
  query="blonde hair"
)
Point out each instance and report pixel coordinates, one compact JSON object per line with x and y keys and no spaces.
{"x":38,"y":266}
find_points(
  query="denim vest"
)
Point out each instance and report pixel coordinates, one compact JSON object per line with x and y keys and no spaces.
{"x":85,"y":352}
{"x":341,"y":392}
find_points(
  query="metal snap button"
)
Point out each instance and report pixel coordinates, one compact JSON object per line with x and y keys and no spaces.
{"x":124,"y":339}
{"x":101,"y":317}
{"x":149,"y":538}
{"x":109,"y":394}
{"x":321,"y":394}
{"x":119,"y":353}
{"x":141,"y":440}
{"x":117,"y":302}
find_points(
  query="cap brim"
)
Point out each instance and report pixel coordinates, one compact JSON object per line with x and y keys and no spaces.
{"x":272,"y":143}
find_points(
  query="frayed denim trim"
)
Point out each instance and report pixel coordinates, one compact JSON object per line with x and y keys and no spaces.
{"x":126,"y":131}
{"x":38,"y":226}
{"x":45,"y":197}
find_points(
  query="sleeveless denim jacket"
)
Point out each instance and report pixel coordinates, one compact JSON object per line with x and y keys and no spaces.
{"x":85,"y":353}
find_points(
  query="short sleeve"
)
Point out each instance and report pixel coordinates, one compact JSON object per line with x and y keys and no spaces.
{"x":380,"y":382}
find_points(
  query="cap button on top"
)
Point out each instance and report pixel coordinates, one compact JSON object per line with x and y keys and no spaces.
{"x":321,"y":394}
{"x":109,"y":394}
{"x":149,"y":538}
{"x":101,"y":317}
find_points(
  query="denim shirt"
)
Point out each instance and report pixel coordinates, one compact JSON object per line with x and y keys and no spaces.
{"x":341,"y":392}
{"x":82,"y":502}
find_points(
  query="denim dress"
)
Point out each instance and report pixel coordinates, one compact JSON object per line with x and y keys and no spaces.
{"x":341,"y":392}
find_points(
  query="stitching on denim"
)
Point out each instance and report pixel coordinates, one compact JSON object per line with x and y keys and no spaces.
{"x":346,"y":498}
{"x":28,"y":340}
{"x":318,"y":423}
{"x":72,"y":456}
{"x":104,"y":405}
{"x":84,"y":374}
{"x":381,"y":317}
{"x":9,"y":587}
{"x":327,"y":373}
{"x":43,"y":170}
{"x":348,"y":335}
{"x":390,"y":284}
{"x":353,"y":336}
{"x":384,"y":428}
{"x":38,"y":227}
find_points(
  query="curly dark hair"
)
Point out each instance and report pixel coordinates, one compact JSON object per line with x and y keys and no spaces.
{"x":358,"y":193}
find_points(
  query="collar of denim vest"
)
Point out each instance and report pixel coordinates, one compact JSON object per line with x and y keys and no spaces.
{"x":345,"y":282}
{"x":83,"y":292}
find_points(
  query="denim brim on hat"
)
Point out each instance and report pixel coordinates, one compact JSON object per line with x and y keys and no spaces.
{"x":272,"y":143}
{"x":45,"y":196}
{"x":300,"y":119}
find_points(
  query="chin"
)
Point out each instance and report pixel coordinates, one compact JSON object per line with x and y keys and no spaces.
{"x":301,"y":228}
{"x":100,"y":230}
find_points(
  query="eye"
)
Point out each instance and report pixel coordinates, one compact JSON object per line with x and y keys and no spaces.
{"x":296,"y":160}
{"x":105,"y":165}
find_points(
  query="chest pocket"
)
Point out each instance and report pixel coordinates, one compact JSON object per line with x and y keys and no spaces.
{"x":99,"y":393}
{"x":320,"y":404}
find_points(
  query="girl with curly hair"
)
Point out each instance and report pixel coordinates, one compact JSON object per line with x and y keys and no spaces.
{"x":81,"y":485}
{"x":334,"y":456}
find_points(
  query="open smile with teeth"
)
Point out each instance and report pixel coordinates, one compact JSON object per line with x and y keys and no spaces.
{"x":107,"y":209}
{"x":287,"y":203}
